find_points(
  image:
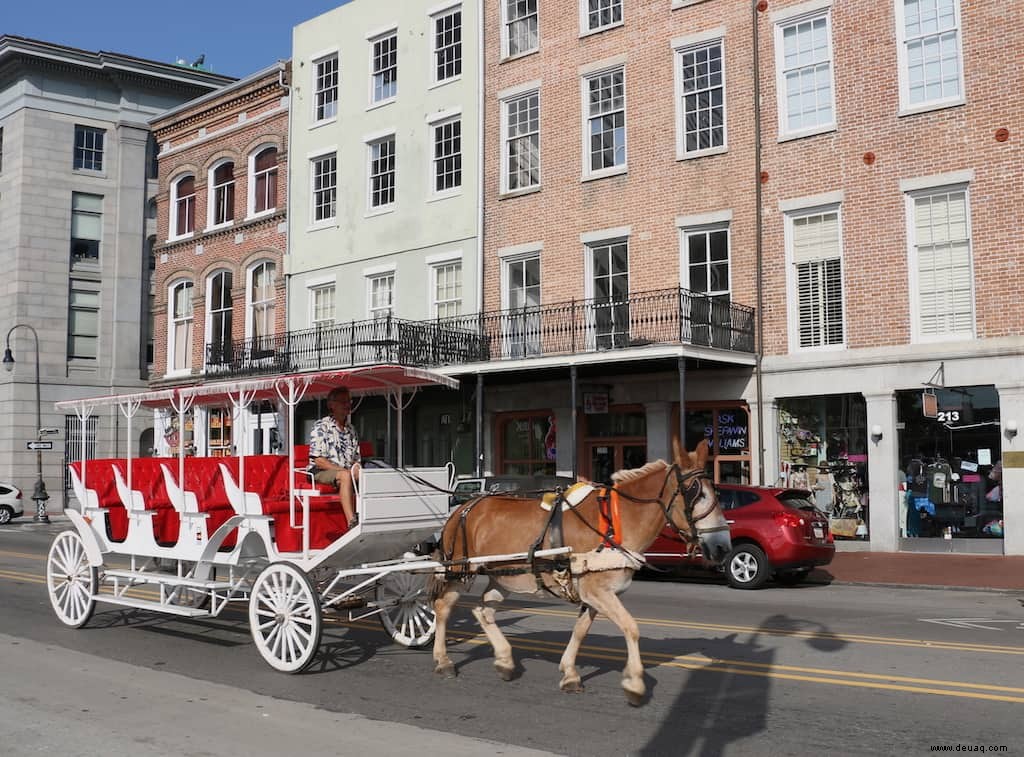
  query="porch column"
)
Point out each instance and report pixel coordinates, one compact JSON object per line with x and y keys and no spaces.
{"x":565,"y":452}
{"x":1011,"y":409}
{"x":682,"y":401}
{"x":659,"y":430}
{"x":479,"y":465}
{"x":574,"y":404}
{"x":772,"y":464}
{"x":883,"y":472}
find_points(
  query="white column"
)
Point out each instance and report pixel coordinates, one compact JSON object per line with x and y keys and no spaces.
{"x":563,"y":440}
{"x":772,"y":464}
{"x":659,"y":430}
{"x":883,"y":473}
{"x":1011,"y":408}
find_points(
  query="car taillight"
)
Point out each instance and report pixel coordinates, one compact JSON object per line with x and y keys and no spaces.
{"x":19,"y":494}
{"x":788,"y":519}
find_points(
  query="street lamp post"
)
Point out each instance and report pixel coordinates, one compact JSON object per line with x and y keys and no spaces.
{"x":39,"y":494}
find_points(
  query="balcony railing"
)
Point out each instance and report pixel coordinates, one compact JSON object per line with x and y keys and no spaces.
{"x":669,"y":316}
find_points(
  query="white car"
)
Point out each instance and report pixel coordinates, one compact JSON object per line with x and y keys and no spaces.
{"x":10,"y":502}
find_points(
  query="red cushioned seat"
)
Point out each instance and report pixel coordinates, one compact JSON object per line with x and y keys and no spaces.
{"x":148,"y":479}
{"x":99,"y":476}
{"x":202,"y":477}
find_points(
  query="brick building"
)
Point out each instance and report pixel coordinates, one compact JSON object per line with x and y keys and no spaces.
{"x":853,"y":181}
{"x":217,"y":286}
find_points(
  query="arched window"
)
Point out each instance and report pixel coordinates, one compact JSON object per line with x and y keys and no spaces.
{"x":219,"y":305}
{"x":179,"y":339}
{"x":183,"y":206}
{"x":261,"y":304}
{"x":263,"y":181}
{"x":222,"y":194}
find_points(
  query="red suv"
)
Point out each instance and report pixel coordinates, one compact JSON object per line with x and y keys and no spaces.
{"x":774,"y":532}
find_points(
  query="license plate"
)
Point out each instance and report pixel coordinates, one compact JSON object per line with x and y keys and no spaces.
{"x":819,"y":532}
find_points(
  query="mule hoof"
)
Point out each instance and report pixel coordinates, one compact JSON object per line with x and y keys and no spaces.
{"x":571,"y":686}
{"x":445,"y":670}
{"x":505,"y":671}
{"x":635,"y":698}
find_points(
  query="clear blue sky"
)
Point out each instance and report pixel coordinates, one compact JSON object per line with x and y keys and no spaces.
{"x":238,"y":37}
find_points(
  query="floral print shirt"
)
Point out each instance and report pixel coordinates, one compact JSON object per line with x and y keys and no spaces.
{"x":337,"y":444}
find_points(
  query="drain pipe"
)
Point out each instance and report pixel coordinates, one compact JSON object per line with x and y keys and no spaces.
{"x":757,"y":6}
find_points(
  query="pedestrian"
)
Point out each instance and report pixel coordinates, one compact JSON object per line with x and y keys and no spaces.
{"x":334,"y":450}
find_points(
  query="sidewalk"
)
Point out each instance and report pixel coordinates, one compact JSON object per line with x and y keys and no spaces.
{"x":924,"y":569}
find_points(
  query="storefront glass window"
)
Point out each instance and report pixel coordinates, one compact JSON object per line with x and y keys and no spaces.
{"x":823,"y":448}
{"x":950,"y":463}
{"x":528,"y":444}
{"x":728,"y":431}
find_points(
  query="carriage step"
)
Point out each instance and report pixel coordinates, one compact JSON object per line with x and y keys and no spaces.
{"x":147,"y":604}
{"x":166,"y":578}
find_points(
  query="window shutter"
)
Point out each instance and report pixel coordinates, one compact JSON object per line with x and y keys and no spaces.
{"x":816,"y":237}
{"x":945,"y":296}
{"x":817,"y":255}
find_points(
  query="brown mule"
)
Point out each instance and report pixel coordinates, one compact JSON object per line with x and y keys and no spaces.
{"x":680,"y":494}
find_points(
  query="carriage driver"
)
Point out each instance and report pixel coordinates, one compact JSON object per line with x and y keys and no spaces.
{"x":334,"y":449}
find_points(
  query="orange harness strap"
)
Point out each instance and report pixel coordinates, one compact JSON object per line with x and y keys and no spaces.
{"x":610,"y":521}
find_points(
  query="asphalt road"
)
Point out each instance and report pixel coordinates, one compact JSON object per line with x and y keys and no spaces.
{"x":785,"y":671}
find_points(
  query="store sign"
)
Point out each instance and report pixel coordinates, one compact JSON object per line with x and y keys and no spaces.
{"x":929,"y":404}
{"x":732,"y":432}
{"x":595,"y":402}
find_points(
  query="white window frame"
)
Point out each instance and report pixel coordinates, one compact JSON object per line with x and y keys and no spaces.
{"x":588,"y":172}
{"x":506,"y":141}
{"x":506,"y":52}
{"x":172,"y":229}
{"x":376,"y":39}
{"x":250,"y":304}
{"x":914,"y":278}
{"x":208,"y":326}
{"x":685,"y":233}
{"x":434,"y":127}
{"x":530,"y":343}
{"x":435,"y":51}
{"x":374,"y":312}
{"x":317,"y":91}
{"x":906,"y":106}
{"x":316,"y":289}
{"x":172,"y":322}
{"x":590,"y":241}
{"x":313,"y":161}
{"x":250,"y":207}
{"x":586,"y":29}
{"x":435,"y":270}
{"x":372,"y":143}
{"x":211,"y":194}
{"x":793,"y":285}
{"x":678,"y":51}
{"x":781,"y":24}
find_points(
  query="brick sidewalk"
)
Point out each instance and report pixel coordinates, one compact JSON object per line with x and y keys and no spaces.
{"x":922,"y":569}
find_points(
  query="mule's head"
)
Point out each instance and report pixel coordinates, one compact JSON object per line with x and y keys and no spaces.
{"x":696,"y":511}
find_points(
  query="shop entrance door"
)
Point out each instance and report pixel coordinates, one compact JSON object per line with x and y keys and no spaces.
{"x":605,"y":457}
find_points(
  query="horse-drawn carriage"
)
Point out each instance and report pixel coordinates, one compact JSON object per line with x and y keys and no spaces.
{"x":190,"y":536}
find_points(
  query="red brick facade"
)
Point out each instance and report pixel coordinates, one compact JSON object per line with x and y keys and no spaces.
{"x":234,"y":124}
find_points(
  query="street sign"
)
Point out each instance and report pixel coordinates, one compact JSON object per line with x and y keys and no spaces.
{"x":40,"y":445}
{"x":49,"y":430}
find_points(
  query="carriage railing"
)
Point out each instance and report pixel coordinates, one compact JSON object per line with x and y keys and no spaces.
{"x":668,"y":316}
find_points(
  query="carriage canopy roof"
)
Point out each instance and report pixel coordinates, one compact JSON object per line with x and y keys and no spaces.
{"x":377,"y":379}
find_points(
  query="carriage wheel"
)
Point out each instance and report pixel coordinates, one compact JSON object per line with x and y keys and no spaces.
{"x":70,"y":580}
{"x":407,"y":613}
{"x":284,"y":615}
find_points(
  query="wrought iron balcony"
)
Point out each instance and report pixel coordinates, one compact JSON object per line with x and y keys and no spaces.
{"x":668,"y":316}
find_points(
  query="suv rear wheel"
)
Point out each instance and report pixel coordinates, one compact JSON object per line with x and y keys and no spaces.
{"x":6,"y":513}
{"x":747,"y":567}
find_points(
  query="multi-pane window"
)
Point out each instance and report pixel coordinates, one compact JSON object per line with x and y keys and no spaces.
{"x":222,"y":194}
{"x":86,"y":226}
{"x":520,"y":27}
{"x":817,"y":258}
{"x":325,"y":187}
{"x":702,"y":85}
{"x":942,"y":247}
{"x":325,"y":99}
{"x":264,"y":179}
{"x":448,"y":289}
{"x":384,"y":65}
{"x":707,"y":261}
{"x":180,"y":358}
{"x":610,"y":281}
{"x":600,"y":14}
{"x":183,"y":203}
{"x":448,"y":45}
{"x":322,"y":305}
{"x":522,"y":326}
{"x":929,"y":33}
{"x":382,"y":293}
{"x":382,"y":173}
{"x":83,"y":319}
{"x":805,"y":58}
{"x":448,"y":155}
{"x":88,"y":148}
{"x":262,"y":295}
{"x":221,"y":307}
{"x":606,"y":120}
{"x":522,"y":142}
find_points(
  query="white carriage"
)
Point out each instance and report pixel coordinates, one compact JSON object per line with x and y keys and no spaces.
{"x":149,"y":534}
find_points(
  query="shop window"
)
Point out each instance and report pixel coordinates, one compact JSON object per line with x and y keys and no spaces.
{"x":950,"y":458}
{"x":175,"y":435}
{"x":727,"y":429}
{"x":527,"y":443}
{"x":823,"y":448}
{"x":218,"y":432}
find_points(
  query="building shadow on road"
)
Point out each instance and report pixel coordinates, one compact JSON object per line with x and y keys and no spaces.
{"x":727,"y":700}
